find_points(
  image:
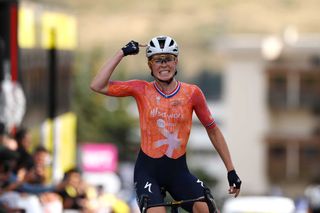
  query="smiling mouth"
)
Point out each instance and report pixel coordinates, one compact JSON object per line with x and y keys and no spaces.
{"x":164,"y":72}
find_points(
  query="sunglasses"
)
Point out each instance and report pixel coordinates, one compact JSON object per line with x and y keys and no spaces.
{"x":163,"y":59}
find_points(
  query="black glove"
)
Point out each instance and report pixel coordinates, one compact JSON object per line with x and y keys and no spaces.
{"x":131,"y":48}
{"x":233,"y":179}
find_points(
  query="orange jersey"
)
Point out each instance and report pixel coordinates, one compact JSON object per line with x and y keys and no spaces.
{"x":165,"y":119}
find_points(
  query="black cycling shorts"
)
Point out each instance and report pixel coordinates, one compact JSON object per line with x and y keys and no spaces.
{"x":152,"y":174}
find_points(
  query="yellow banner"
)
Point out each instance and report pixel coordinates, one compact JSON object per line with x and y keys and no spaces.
{"x":58,"y":30}
{"x":45,"y":28}
{"x":59,"y":138}
{"x":26,"y":29}
{"x":66,"y":134}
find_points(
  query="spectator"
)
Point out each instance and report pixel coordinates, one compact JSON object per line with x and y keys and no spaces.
{"x":38,"y":173}
{"x":11,"y":201}
{"x":8,"y":157}
{"x":7,"y":161}
{"x":36,"y":178}
{"x":26,"y":180}
{"x":35,"y":181}
{"x":107,"y":202}
{"x":27,"y":187}
{"x":74,"y":192}
{"x":23,"y":139}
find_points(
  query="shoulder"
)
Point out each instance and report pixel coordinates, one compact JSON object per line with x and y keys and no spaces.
{"x":126,"y":88}
{"x":137,"y":82}
{"x":190,"y":87}
{"x":194,"y":92}
{"x":131,"y":83}
{"x":140,"y":84}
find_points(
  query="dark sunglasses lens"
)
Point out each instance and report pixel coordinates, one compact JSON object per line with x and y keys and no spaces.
{"x":160,"y":60}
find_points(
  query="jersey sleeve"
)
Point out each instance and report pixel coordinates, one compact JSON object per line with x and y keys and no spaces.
{"x":201,"y":109}
{"x":123,"y":88}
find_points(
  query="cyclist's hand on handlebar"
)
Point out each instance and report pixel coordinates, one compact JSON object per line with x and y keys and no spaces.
{"x":131,"y":48}
{"x":234,"y":183}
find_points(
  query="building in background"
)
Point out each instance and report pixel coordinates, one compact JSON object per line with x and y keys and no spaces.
{"x":271,"y":110}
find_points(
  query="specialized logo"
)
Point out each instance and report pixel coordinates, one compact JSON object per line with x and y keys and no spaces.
{"x":199,"y":181}
{"x":148,"y":185}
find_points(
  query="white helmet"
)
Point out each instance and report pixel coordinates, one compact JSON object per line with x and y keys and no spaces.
{"x":162,"y":44}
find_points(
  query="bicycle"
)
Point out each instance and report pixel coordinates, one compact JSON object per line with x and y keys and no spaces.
{"x":175,"y":205}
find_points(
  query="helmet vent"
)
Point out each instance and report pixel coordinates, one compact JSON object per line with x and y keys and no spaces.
{"x":152,"y":44}
{"x":162,"y":42}
{"x":171,"y":43}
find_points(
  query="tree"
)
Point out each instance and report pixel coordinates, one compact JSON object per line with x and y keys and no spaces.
{"x":100,"y":118}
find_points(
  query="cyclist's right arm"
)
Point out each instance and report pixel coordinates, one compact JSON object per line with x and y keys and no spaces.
{"x":100,"y":81}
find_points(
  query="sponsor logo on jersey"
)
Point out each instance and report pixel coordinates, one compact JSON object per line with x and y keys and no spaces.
{"x":156,"y":112}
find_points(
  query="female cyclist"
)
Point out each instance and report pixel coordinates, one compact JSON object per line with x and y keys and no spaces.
{"x":165,"y":109}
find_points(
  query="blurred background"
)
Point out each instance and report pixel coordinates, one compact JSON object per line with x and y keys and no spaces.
{"x":258,"y":64}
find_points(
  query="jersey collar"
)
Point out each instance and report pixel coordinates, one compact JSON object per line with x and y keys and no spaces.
{"x":175,"y":91}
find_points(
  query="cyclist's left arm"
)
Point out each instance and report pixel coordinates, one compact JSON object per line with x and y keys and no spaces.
{"x":215,"y":135}
{"x":218,"y":141}
{"x":202,"y":111}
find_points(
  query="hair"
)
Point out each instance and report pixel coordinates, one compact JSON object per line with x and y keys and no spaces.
{"x":21,"y":133}
{"x":40,"y":149}
{"x":70,"y":171}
